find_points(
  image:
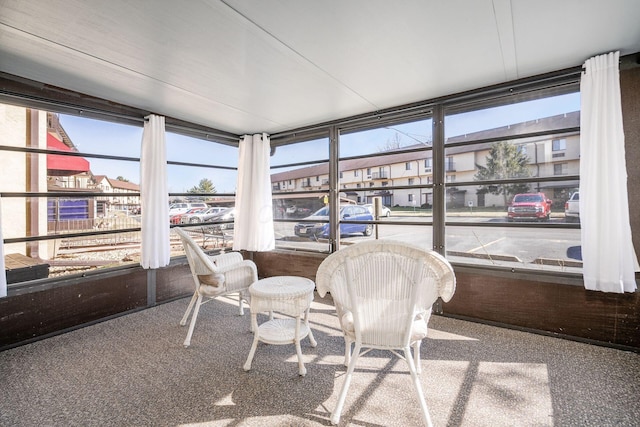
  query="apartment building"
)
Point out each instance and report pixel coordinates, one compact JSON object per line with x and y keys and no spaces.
{"x":549,"y":155}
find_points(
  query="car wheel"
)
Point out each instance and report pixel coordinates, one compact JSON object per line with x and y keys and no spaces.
{"x":388,"y":214}
{"x":368,"y":230}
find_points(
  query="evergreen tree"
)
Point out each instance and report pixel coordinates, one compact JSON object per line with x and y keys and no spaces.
{"x":505,"y":161}
{"x":205,"y":186}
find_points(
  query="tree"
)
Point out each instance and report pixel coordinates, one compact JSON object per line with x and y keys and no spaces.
{"x":392,"y":144}
{"x":205,"y":186}
{"x":121,"y":178}
{"x":504,"y":161}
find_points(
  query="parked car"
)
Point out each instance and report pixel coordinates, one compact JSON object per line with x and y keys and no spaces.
{"x":529,"y":206}
{"x":178,"y":208}
{"x":216,"y":224}
{"x":313,"y":228}
{"x":572,"y":208}
{"x":203,"y":215}
{"x":384,"y":211}
{"x":177,"y":218}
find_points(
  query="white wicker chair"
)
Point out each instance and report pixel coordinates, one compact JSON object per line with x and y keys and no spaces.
{"x":215,"y":276}
{"x":383,"y":292}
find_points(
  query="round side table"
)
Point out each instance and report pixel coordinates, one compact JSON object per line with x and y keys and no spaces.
{"x":289,"y":295}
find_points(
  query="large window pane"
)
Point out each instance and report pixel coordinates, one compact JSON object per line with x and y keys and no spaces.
{"x":87,"y":218}
{"x":300,"y":186}
{"x":523,"y":174}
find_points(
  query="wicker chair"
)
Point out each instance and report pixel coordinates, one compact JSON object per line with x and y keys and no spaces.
{"x":215,"y":276}
{"x":383,"y":292}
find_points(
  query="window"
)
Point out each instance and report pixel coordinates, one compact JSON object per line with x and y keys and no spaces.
{"x":559,"y":144}
{"x":92,"y":165}
{"x":511,"y":166}
{"x":407,"y":166}
{"x":355,"y":172}
{"x":307,"y":161}
{"x":410,"y":198}
{"x":410,"y":181}
{"x":560,"y":168}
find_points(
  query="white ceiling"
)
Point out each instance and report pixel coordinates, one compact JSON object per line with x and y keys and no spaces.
{"x":246,"y":66}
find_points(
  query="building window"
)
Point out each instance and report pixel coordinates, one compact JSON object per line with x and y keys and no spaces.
{"x":559,"y":144}
{"x":410,"y":181}
{"x":355,"y":172}
{"x":410,"y":198}
{"x":407,"y":166}
{"x":560,"y":169}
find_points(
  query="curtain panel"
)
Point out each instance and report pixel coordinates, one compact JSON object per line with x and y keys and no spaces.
{"x":253,"y":222}
{"x":154,"y":195}
{"x":609,"y":259}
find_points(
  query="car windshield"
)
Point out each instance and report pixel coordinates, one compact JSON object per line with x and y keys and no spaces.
{"x":527,"y":198}
{"x":324,"y":211}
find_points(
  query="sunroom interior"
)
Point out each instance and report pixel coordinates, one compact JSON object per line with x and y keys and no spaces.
{"x":354,"y":97}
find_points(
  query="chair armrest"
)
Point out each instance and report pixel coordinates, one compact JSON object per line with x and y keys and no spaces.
{"x":227,"y":259}
{"x":240,"y":275}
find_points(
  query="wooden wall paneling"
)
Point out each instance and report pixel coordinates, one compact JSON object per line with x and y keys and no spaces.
{"x":30,"y":315}
{"x":286,"y":263}
{"x":173,"y":282}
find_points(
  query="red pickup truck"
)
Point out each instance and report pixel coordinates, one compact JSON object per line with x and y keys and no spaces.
{"x":528,"y":206}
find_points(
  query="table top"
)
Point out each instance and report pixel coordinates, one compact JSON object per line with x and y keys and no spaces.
{"x":282,"y":287}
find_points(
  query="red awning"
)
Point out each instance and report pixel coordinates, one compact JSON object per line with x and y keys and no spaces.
{"x":63,"y":165}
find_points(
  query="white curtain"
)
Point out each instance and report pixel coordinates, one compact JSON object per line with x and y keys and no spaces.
{"x":155,"y":251}
{"x":253,"y":222}
{"x":3,"y":275}
{"x":609,"y":259}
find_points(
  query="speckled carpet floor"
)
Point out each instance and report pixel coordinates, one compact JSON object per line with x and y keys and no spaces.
{"x":134,"y":371}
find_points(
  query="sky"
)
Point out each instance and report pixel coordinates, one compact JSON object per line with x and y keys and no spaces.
{"x":99,"y":137}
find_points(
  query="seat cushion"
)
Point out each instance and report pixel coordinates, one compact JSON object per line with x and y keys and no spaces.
{"x":211,"y":284}
{"x":418,"y":329}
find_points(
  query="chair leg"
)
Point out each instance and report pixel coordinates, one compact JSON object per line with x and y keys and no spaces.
{"x":416,"y":356}
{"x":189,"y":307}
{"x":241,"y":304}
{"x":418,"y":387}
{"x":347,"y":350}
{"x":335,"y":415}
{"x":187,"y":341}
